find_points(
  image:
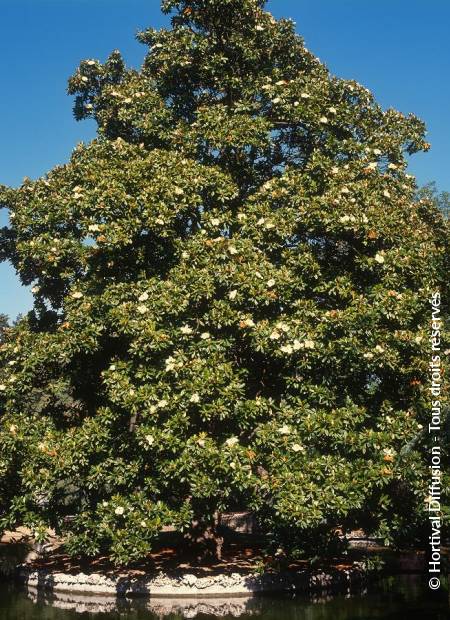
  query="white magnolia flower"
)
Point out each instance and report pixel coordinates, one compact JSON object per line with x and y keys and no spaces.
{"x":323,"y":119}
{"x":418,"y":339}
{"x":201,"y":442}
{"x":91,"y":62}
{"x":35,"y":289}
{"x":376,"y":151}
{"x":345,"y":190}
{"x":150,"y":439}
{"x":344,"y":219}
{"x":170,"y":363}
{"x":286,"y":348}
{"x":77,"y":295}
{"x":185,"y":329}
{"x":386,"y":193}
{"x":159,"y":221}
{"x":142,"y":309}
{"x":284,"y":328}
{"x":195,"y":398}
{"x":232,"y":250}
{"x":284,"y":430}
{"x":261,"y":221}
{"x":162,"y":403}
{"x":334,"y":170}
{"x":379,"y":349}
{"x":296,"y":104}
{"x":259,"y":28}
{"x":392,"y":166}
{"x":178,"y":191}
{"x":365,"y":219}
{"x":332,"y":110}
{"x":184,"y":255}
{"x":269,"y":225}
{"x":270,"y":282}
{"x":233,"y":465}
{"x":231,"y":441}
{"x":379,"y":258}
{"x":309,"y":344}
{"x":205,"y":336}
{"x":215,"y":221}
{"x":305,"y":95}
{"x":143,"y":523}
{"x":298,"y":345}
{"x":2,"y":387}
{"x":119,"y":510}
{"x":275,"y":335}
{"x":296,"y":447}
{"x":276,"y":100}
{"x":232,"y":294}
{"x":258,"y":275}
{"x":368,"y":356}
{"x":143,"y":297}
{"x":281,"y":82}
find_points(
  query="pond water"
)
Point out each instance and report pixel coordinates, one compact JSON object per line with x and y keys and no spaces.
{"x":393,"y":598}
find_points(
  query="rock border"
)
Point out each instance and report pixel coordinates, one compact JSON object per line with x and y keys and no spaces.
{"x":189,"y":585}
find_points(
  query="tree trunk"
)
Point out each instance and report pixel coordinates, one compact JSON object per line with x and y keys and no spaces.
{"x":206,"y":537}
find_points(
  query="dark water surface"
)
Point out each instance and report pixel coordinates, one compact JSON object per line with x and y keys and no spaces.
{"x":393,"y":598}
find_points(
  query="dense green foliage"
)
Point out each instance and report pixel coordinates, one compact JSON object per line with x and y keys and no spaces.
{"x":4,"y":324}
{"x":231,"y":291}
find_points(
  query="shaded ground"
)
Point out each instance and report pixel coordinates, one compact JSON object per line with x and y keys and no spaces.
{"x":242,"y":554}
{"x":239,"y":556}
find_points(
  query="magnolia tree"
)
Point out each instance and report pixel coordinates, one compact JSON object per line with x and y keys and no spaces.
{"x":231,"y":301}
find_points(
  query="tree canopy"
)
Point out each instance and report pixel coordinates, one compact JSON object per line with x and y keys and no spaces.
{"x":441,"y":199}
{"x":231,"y":300}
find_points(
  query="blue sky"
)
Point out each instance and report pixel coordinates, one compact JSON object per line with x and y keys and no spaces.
{"x":399,"y":49}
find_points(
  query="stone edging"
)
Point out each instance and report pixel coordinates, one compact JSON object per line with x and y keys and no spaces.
{"x":188,"y":584}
